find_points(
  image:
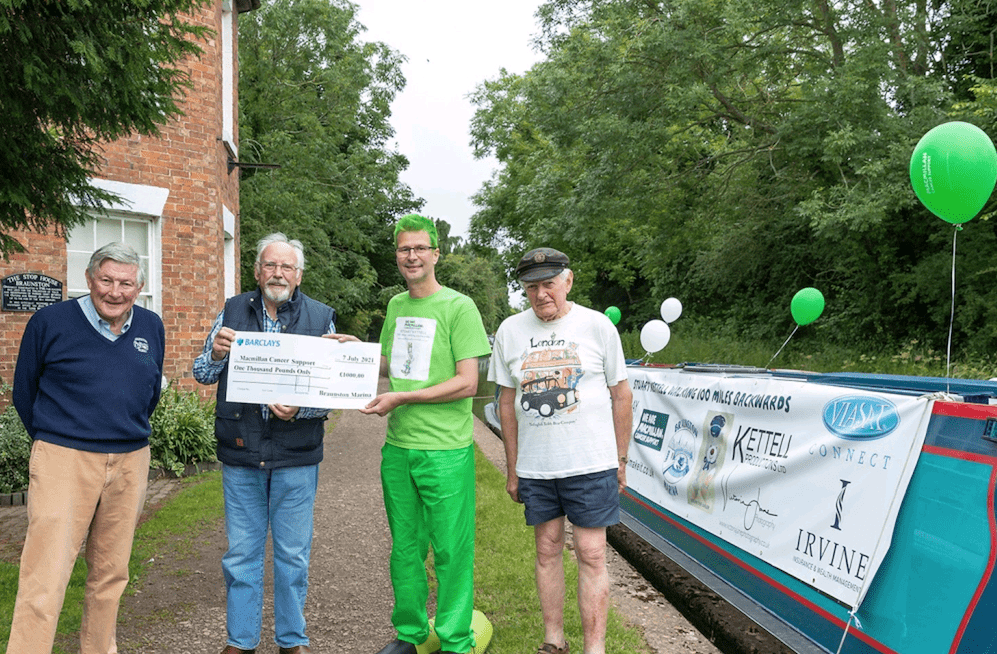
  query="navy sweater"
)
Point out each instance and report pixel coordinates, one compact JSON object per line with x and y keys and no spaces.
{"x":75,"y":388}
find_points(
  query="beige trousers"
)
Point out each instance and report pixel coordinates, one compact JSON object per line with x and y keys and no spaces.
{"x":75,"y":496}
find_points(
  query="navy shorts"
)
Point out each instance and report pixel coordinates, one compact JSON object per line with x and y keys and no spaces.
{"x":591,"y":500}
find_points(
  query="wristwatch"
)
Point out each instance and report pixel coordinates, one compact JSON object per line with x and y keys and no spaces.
{"x":624,"y":460}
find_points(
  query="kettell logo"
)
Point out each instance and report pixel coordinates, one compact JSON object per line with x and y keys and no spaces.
{"x":141,"y":344}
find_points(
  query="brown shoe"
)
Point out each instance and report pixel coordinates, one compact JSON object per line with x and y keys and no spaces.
{"x":232,"y":649}
{"x":297,"y":649}
{"x":550,"y":648}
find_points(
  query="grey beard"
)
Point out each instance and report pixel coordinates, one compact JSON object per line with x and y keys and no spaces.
{"x":277,"y":296}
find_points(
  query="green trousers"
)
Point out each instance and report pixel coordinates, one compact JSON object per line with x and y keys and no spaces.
{"x":429,"y":499}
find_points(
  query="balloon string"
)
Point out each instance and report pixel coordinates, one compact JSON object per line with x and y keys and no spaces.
{"x":948,"y":351}
{"x":851,"y":616}
{"x":780,"y":349}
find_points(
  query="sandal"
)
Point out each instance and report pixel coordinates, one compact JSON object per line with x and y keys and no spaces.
{"x":550,"y":648}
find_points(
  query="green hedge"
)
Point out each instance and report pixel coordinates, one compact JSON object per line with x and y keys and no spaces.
{"x":183,"y":432}
{"x":15,"y":450}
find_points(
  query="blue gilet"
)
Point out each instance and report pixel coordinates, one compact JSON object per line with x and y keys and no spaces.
{"x":244,"y":438}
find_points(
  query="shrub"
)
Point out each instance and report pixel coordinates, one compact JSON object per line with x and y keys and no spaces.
{"x":15,"y":452}
{"x":183,"y":431}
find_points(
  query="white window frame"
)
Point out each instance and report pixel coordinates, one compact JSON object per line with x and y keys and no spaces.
{"x":138,"y":204}
{"x":228,"y":78}
{"x":231,"y":260}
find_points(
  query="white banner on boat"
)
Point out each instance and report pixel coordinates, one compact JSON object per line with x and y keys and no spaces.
{"x":807,"y":477}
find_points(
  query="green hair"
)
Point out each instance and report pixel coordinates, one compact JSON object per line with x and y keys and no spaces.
{"x":416,"y":223}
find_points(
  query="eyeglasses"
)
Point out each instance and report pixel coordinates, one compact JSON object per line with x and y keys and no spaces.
{"x":419,"y":249}
{"x":270,"y":266}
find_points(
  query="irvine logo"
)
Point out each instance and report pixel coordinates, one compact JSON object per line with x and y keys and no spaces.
{"x":839,"y":505}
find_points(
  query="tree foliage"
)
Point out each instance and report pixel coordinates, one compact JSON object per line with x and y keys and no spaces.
{"x":315,"y":99}
{"x":74,"y":75}
{"x":475,"y":271}
{"x":730,"y":153}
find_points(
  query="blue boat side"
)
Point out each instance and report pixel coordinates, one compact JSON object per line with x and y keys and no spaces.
{"x":936,"y":590}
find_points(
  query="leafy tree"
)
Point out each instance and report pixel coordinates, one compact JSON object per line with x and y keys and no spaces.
{"x":74,"y":75}
{"x":730,"y":153}
{"x":315,"y":100}
{"x":475,"y":271}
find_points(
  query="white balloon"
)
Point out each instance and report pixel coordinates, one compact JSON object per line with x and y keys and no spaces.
{"x":655,"y":335}
{"x":671,"y":309}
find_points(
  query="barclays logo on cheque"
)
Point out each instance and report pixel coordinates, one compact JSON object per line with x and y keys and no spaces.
{"x":260,"y":342}
{"x":861,"y":417}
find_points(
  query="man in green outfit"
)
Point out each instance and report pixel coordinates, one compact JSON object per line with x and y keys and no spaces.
{"x":430,"y":344}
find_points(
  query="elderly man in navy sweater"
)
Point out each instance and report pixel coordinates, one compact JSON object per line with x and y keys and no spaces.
{"x":88,"y":376}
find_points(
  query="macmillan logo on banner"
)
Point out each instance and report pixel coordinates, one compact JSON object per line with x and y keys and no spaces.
{"x":651,"y":429}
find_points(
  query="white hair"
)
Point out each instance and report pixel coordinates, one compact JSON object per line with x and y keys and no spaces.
{"x":562,"y":276}
{"x":120,"y":252}
{"x":279,"y":237}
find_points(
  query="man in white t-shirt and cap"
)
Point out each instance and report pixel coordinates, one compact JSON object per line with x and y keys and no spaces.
{"x":565,"y":409}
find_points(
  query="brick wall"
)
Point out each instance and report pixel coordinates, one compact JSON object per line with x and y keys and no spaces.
{"x":190,"y":159}
{"x":45,"y":255}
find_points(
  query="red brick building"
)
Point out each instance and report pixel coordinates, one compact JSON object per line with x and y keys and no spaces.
{"x":179,"y":210}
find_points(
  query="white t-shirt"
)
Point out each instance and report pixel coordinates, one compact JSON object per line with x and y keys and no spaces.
{"x":562,"y":371}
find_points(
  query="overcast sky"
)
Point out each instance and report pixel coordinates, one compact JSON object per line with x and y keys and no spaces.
{"x":451,"y":46}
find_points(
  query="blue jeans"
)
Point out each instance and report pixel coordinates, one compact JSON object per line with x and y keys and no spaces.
{"x":281,"y":500}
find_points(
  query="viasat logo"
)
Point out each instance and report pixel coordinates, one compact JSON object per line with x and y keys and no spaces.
{"x":258,"y":342}
{"x":861,"y":417}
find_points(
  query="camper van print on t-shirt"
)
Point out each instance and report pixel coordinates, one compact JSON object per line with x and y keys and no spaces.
{"x":550,"y":380}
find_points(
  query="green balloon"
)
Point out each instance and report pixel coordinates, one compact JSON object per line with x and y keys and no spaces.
{"x":613,"y":314}
{"x":807,"y":305}
{"x":953,"y":170}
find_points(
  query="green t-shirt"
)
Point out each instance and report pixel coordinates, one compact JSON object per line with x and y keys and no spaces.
{"x":423,"y":340}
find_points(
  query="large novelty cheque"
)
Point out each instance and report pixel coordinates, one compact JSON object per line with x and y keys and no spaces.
{"x":296,"y":370}
{"x":807,"y":477}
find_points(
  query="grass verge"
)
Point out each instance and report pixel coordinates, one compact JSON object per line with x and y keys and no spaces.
{"x":504,"y":580}
{"x":196,"y":505}
{"x":72,"y":611}
{"x":702,"y":342}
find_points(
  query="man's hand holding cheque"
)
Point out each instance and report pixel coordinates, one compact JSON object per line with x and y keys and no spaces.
{"x":286,"y":371}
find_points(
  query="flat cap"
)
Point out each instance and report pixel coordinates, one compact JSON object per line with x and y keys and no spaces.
{"x":540,"y":264}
